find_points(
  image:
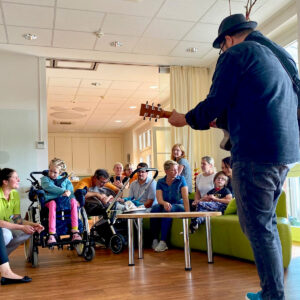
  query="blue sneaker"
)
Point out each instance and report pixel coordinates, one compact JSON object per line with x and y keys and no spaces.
{"x":253,"y":296}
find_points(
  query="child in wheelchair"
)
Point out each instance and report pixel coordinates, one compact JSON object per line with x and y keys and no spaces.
{"x":59,"y":194}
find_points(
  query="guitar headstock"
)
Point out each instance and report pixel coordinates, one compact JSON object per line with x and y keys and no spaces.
{"x":151,"y":111}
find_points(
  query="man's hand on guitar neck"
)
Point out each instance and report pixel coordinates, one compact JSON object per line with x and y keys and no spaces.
{"x":177,"y":119}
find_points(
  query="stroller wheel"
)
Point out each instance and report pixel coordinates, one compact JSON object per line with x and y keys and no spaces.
{"x":89,"y":253}
{"x":117,"y":243}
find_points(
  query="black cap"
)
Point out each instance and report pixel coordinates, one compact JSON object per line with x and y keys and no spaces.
{"x":230,"y":25}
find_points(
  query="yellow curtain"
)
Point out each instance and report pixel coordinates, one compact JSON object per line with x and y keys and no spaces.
{"x":189,"y":86}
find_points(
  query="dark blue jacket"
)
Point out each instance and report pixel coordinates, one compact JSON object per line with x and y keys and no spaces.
{"x":252,"y":86}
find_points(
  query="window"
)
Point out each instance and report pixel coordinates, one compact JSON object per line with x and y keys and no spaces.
{"x":292,"y":186}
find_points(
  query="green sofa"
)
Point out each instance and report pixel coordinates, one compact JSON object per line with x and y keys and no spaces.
{"x":227,"y":236}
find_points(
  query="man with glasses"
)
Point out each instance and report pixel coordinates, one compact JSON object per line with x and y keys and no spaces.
{"x":98,"y":187}
{"x":254,"y":91}
{"x":140,"y":191}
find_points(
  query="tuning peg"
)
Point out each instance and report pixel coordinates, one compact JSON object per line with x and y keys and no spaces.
{"x":145,"y":115}
{"x":159,"y":107}
{"x":153,"y":106}
{"x":147,"y":105}
{"x":155,"y":120}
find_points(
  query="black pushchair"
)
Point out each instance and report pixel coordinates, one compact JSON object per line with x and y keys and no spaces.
{"x":109,"y":230}
{"x":38,"y":213}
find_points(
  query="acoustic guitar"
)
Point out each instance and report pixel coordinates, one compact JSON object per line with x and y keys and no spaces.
{"x":156,"y":112}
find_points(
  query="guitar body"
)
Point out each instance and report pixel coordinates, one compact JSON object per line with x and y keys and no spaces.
{"x":151,"y":111}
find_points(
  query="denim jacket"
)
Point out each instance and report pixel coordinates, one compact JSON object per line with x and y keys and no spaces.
{"x":252,"y":86}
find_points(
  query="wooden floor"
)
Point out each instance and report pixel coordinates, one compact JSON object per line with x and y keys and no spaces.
{"x":64,"y":275}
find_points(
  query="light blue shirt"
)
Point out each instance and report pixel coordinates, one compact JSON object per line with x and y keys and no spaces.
{"x":136,"y":190}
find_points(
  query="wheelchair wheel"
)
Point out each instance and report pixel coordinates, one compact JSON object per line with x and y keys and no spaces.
{"x":35,"y":259}
{"x":89,"y":253}
{"x":117,"y":243}
{"x":28,"y":245}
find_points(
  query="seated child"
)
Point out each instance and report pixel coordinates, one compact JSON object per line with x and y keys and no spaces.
{"x":216,"y":199}
{"x":57,"y":191}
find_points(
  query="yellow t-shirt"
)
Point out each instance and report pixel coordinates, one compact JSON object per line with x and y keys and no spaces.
{"x":11,"y":207}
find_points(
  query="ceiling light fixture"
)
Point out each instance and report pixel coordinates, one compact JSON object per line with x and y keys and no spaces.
{"x":96,"y":83}
{"x":116,"y":44}
{"x":132,"y":107}
{"x":118,"y":121}
{"x":99,"y":34}
{"x":153,"y":87}
{"x":192,"y":49}
{"x":30,"y":36}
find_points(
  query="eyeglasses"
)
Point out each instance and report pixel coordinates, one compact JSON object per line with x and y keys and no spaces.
{"x":221,"y":47}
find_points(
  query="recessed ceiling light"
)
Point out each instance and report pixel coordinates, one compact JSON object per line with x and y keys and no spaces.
{"x":192,"y":49}
{"x":30,"y":36}
{"x":153,"y":87}
{"x":132,"y":107}
{"x":116,"y":44}
{"x":96,"y":83}
{"x":118,"y":121}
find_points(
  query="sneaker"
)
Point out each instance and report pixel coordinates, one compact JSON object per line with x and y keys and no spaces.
{"x":76,"y":237}
{"x":253,"y":296}
{"x":162,"y":246}
{"x":193,"y":226}
{"x":154,"y":244}
{"x":51,"y":240}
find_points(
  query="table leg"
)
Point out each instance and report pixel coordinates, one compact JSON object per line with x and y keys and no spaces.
{"x":187,"y":254}
{"x":130,"y":243}
{"x":208,"y":240}
{"x":140,"y":238}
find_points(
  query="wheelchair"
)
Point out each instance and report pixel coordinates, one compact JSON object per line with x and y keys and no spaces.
{"x":38,"y":213}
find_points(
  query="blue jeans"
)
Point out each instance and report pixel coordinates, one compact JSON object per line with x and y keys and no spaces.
{"x":163,"y":225}
{"x":257,"y":188}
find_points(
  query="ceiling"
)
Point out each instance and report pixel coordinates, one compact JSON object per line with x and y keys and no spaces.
{"x":152,"y":33}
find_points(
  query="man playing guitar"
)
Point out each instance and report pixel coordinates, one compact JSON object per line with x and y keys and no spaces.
{"x":254,"y":91}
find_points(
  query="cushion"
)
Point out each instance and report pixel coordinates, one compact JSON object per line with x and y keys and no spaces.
{"x":231,"y":208}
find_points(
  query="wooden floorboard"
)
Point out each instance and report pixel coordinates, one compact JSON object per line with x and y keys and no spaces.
{"x":64,"y":275}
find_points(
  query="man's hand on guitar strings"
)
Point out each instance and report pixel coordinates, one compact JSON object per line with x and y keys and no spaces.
{"x":177,"y":119}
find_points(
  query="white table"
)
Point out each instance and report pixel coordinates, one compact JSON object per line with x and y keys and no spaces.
{"x":175,"y":215}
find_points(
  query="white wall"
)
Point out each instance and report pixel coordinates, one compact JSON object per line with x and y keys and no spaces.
{"x":23,"y":117}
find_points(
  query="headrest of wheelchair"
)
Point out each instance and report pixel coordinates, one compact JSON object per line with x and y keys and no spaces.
{"x":45,"y":172}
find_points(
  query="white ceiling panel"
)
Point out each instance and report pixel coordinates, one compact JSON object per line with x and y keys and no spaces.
{"x":75,"y":40}
{"x":28,"y":15}
{"x":86,"y":98}
{"x":118,"y":93}
{"x":189,"y":10}
{"x":63,"y":81}
{"x":220,"y":10}
{"x":34,"y":2}
{"x":125,"y":85}
{"x":76,"y":20}
{"x":91,"y":91}
{"x":142,"y":8}
{"x":16,"y":36}
{"x":59,"y":90}
{"x":203,"y":33}
{"x":3,"y":39}
{"x":168,"y":29}
{"x":155,"y":46}
{"x":124,"y":25}
{"x":104,"y":43}
{"x":180,"y":49}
